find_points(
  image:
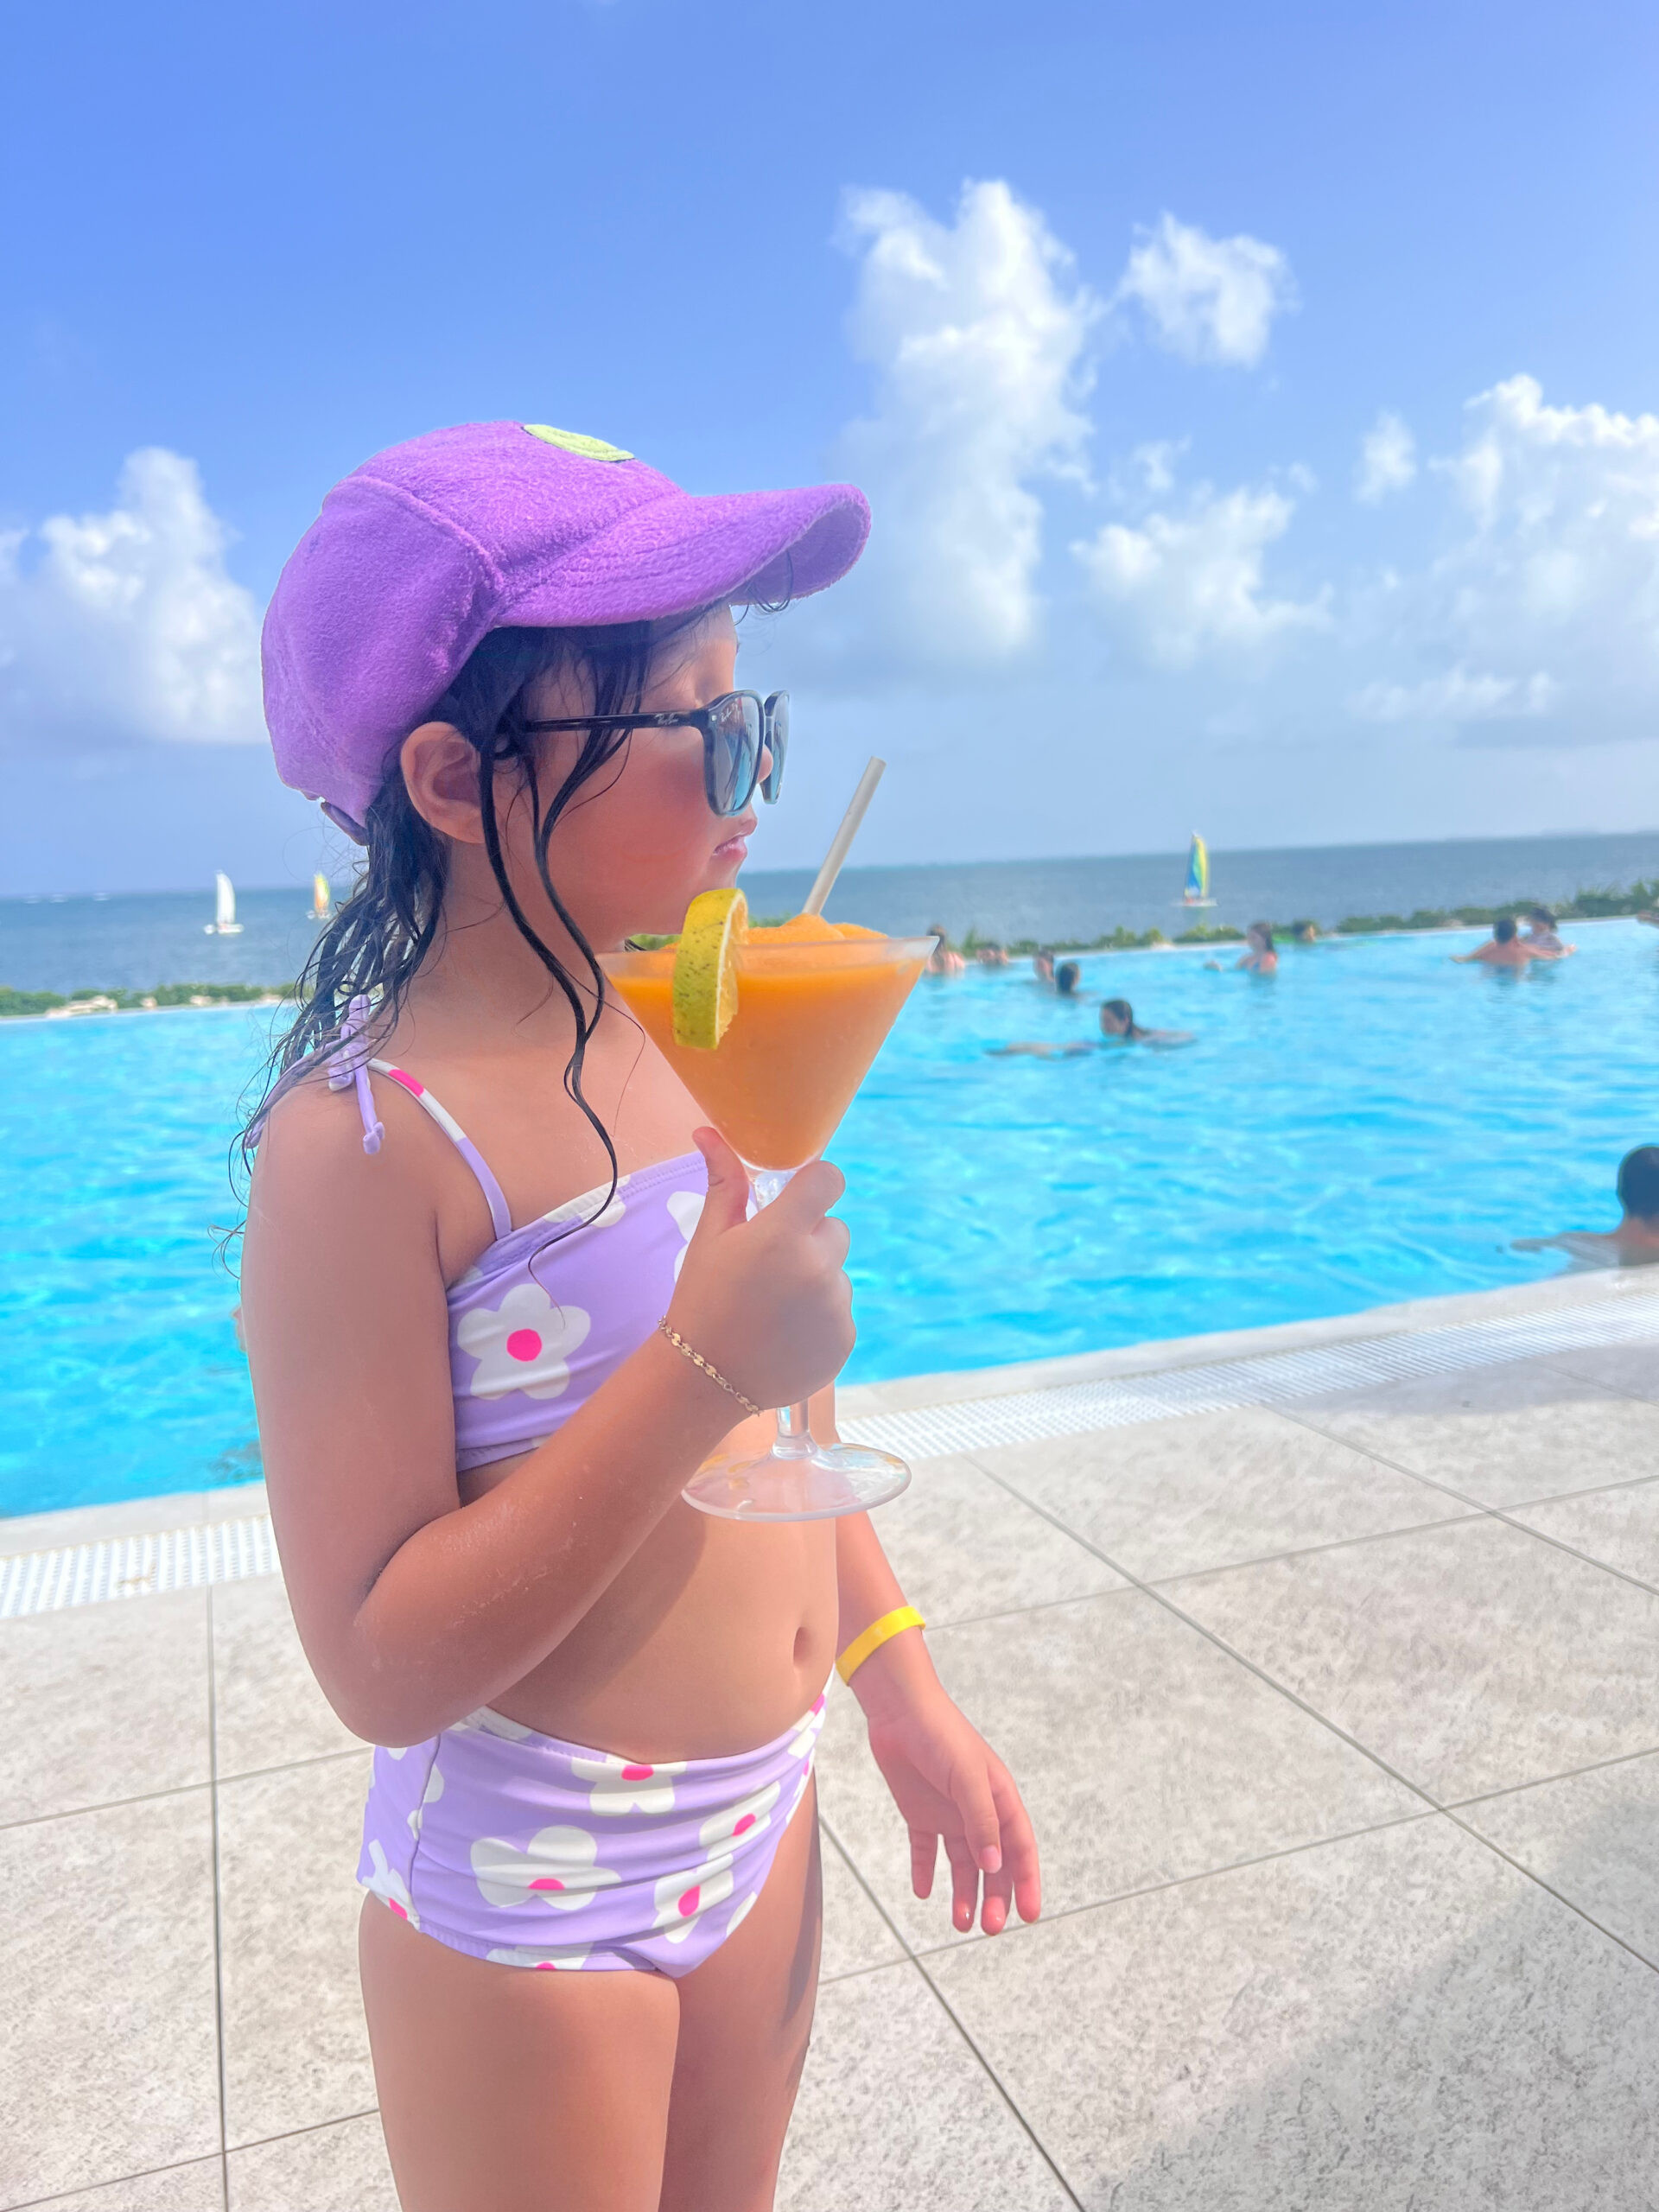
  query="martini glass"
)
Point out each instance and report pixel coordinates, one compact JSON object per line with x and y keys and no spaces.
{"x":811,"y":1017}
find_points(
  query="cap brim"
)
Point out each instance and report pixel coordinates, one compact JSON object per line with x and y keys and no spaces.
{"x":679,"y":552}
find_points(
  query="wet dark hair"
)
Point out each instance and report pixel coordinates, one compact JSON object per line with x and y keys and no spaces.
{"x":1503,"y":929}
{"x":1125,"y":1013}
{"x":1065,"y":977}
{"x":1638,"y":1182}
{"x":1265,"y":929}
{"x":1540,"y":914}
{"x":378,"y":942}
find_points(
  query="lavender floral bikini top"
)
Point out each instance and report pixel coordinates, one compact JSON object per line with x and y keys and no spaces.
{"x":547,"y":1313}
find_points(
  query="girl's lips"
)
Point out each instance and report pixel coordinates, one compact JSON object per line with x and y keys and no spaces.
{"x":737,"y":845}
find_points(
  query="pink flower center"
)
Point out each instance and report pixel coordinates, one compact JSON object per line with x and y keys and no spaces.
{"x":524,"y":1343}
{"x":747,"y":1822}
{"x":398,"y":1909}
{"x":689,"y":1901}
{"x":547,"y":1882}
{"x":638,"y":1773}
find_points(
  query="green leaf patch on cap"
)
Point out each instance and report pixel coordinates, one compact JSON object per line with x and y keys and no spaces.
{"x":573,"y":441}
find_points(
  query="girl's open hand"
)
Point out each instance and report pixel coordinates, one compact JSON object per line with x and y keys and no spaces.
{"x":766,"y":1297}
{"x":949,"y":1784}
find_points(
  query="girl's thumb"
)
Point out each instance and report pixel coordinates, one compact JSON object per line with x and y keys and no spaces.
{"x":727,"y":1202}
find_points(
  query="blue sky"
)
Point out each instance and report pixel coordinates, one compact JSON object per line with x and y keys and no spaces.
{"x":1255,"y":403}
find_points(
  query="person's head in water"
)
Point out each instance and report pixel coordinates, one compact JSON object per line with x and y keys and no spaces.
{"x":1259,"y":936}
{"x":1117,"y":1019}
{"x":1539,"y":917}
{"x":1042,"y":964}
{"x":1065,"y":978}
{"x":1304,"y":932}
{"x":1639,"y":1184}
{"x":1503,"y":930}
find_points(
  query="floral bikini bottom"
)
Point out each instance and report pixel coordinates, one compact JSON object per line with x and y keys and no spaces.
{"x":514,"y":1846}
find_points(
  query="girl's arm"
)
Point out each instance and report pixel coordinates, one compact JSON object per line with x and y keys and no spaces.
{"x":947,"y":1782}
{"x":414,"y":1609}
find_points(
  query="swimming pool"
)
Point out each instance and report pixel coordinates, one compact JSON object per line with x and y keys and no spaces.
{"x":1372,"y":1124}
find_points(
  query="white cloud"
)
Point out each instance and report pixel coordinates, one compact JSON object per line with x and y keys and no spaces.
{"x":1187,"y":584}
{"x":1551,"y":589}
{"x":976,"y":331}
{"x":1387,"y":460}
{"x":1208,"y":299}
{"x":1458,"y":696}
{"x":126,"y":626}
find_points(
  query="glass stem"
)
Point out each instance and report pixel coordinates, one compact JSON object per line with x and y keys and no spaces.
{"x":794,"y":1438}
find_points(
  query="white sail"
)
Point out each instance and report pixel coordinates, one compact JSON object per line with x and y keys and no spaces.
{"x":223,"y":923}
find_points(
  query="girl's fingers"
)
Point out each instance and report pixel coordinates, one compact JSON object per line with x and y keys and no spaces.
{"x":964,"y":1884}
{"x":924,"y":1857}
{"x":1019,"y":1845}
{"x":970,"y":1786}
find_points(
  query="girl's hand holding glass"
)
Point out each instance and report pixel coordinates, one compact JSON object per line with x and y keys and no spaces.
{"x":764,"y":1298}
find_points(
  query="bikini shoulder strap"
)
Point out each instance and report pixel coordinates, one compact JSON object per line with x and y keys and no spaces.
{"x":457,"y":1136}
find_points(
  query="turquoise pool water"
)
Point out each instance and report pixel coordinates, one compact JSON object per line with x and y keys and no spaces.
{"x":1373,"y":1124}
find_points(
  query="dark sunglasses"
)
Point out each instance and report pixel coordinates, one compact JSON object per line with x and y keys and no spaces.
{"x":737,"y":729}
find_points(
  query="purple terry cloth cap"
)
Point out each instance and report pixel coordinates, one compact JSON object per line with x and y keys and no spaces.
{"x":419,"y":552}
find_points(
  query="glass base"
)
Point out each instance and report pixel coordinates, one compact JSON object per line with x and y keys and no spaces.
{"x":790,"y":1482}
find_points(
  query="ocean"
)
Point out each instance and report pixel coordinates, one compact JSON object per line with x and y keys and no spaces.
{"x":133,"y":941}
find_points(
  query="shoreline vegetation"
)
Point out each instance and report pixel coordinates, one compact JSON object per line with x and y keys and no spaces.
{"x":1583,"y":906}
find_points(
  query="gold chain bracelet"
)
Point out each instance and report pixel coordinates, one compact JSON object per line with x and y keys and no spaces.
{"x":712,"y":1372}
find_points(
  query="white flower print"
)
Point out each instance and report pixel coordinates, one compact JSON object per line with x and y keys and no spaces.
{"x":627,"y":1786}
{"x":486,"y":1722}
{"x":577,"y":1209}
{"x":682,"y":1900}
{"x":557,"y":1865}
{"x":748,"y":1817}
{"x":524,"y":1343}
{"x":388,"y":1886}
{"x":562,"y":1958}
{"x":801,"y":1743}
{"x":686,"y":1207}
{"x":430,"y":1795}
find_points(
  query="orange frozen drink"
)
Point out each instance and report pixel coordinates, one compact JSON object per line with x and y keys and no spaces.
{"x":815,"y":1000}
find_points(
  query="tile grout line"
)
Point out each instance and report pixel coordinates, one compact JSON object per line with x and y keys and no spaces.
{"x":911,"y":1958}
{"x":1544,"y":1781}
{"x":180,"y":1789}
{"x":1506,"y":1514}
{"x":1324,"y":1721}
{"x":144,"y":2173}
{"x":218,"y":1917}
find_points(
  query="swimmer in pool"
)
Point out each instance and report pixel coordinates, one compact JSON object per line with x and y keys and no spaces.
{"x":1503,"y":948}
{"x":1042,"y":966}
{"x":1066,"y":977}
{"x":944,"y":959}
{"x":1119,"y":1026}
{"x":1635,"y":1243}
{"x":1259,"y":958}
{"x":1540,"y":939}
{"x":992,"y":956}
{"x":1304,"y":932}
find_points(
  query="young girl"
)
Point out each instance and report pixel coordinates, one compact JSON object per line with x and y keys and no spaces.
{"x":504,"y":658}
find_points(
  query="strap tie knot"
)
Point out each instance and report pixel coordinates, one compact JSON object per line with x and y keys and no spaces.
{"x":348,"y":1069}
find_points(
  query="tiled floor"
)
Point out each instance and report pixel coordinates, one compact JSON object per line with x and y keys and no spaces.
{"x":1340,"y":1727}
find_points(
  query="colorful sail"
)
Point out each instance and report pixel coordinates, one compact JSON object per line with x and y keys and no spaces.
{"x":322,"y":897}
{"x":1198,"y":874}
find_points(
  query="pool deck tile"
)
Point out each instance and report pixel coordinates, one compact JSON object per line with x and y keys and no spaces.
{"x":1270,"y":1973}
{"x":1216,"y":1490}
{"x":1401,"y":2022}
{"x":268,"y":1710}
{"x":1499,"y":1436}
{"x":1470,"y":1658}
{"x":104,"y":1703}
{"x":1140,"y":1747}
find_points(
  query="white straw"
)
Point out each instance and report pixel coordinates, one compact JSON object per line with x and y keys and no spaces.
{"x":844,"y":836}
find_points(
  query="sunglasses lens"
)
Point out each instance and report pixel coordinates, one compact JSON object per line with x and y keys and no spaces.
{"x":777,"y":744}
{"x":735,"y":754}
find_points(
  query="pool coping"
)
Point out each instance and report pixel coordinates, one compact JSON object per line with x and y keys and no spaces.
{"x":874,"y":1405}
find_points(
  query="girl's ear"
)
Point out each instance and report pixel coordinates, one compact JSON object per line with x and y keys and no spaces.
{"x":440,"y":776}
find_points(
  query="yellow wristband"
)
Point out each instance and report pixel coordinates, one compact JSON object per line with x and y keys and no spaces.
{"x":890,"y":1624}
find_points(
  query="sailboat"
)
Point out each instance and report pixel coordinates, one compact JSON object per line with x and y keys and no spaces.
{"x":322,"y":899}
{"x":1197,"y":893}
{"x":223,"y":923}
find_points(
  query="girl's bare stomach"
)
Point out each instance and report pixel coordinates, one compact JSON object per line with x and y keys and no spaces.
{"x":714,"y":1637}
